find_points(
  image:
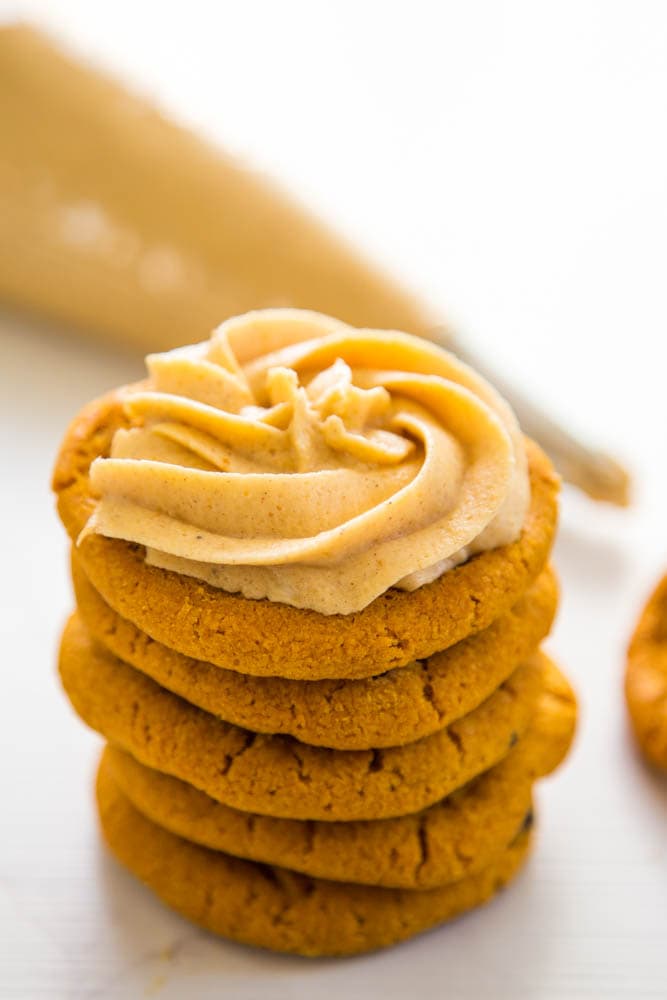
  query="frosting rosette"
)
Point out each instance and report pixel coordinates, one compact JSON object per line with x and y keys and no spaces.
{"x":295,"y":458}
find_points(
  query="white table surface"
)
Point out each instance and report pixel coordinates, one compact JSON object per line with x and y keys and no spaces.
{"x":510,"y":160}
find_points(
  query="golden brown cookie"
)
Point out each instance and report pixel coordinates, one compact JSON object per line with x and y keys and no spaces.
{"x":452,"y":839}
{"x":558,"y":712}
{"x":274,"y":908}
{"x":270,"y":639}
{"x":646,"y":678}
{"x":398,"y":707}
{"x":276,"y":775}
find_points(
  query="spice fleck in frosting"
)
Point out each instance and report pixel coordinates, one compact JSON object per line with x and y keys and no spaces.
{"x":295,"y":458}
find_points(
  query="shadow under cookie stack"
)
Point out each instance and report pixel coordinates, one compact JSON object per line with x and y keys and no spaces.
{"x":306,"y":781}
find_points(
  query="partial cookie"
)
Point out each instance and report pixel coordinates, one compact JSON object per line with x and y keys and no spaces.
{"x":453,"y":839}
{"x":646,"y":678}
{"x":276,"y":775}
{"x":395,"y":708}
{"x":273,"y":908}
{"x":557,"y":717}
{"x":270,"y":639}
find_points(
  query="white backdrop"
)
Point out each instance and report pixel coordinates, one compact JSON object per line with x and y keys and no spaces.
{"x":508,"y":160}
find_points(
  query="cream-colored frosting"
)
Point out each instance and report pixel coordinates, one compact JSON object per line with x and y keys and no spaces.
{"x":295,"y":458}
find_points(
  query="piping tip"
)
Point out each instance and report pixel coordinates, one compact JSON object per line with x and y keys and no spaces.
{"x":599,"y":475}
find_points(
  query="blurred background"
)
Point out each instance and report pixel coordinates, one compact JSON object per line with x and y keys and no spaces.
{"x":506,"y":163}
{"x":505,"y":160}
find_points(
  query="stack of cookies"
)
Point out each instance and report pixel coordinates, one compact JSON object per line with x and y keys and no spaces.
{"x":311,"y":573}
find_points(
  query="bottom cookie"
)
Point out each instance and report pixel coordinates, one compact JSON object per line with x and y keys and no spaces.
{"x":274,"y":908}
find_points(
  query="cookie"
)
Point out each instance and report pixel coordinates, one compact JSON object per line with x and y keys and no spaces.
{"x":558,"y":712}
{"x":269,"y":639}
{"x":398,"y":707}
{"x":274,"y":908}
{"x":452,"y":839}
{"x":646,"y":678}
{"x":276,"y":775}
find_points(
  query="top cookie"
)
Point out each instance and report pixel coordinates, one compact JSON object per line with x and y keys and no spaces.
{"x":263,"y":638}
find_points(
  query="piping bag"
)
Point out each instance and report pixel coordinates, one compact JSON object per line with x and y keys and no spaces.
{"x":116,"y":221}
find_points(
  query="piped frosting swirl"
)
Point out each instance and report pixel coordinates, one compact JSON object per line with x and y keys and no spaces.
{"x":295,"y":458}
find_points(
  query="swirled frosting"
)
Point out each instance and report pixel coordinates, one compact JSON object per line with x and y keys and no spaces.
{"x":295,"y":458}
